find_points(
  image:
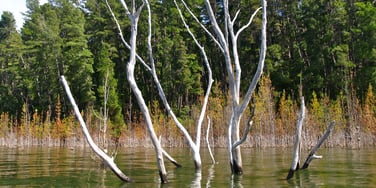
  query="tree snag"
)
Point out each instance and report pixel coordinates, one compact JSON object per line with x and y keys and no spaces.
{"x":134,"y":15}
{"x":226,"y":40}
{"x":312,"y":155}
{"x":297,"y":141}
{"x":297,"y":144}
{"x":108,"y":160}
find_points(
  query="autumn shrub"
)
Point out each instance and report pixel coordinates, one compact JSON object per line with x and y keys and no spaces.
{"x":216,"y":112}
{"x":286,"y":115}
{"x":368,"y":117}
{"x":264,"y":119}
{"x":36,"y":127}
{"x":5,"y":124}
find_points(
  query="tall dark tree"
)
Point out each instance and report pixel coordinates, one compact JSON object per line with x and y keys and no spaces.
{"x":41,"y":37}
{"x":364,"y":45}
{"x":76,"y":61}
{"x":56,"y":44}
{"x":109,"y":53}
{"x":11,"y":81}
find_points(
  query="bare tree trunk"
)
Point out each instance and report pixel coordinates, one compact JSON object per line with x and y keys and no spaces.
{"x":133,"y":16}
{"x":231,"y":57}
{"x":297,"y":142}
{"x":108,"y":160}
{"x":194,"y":146}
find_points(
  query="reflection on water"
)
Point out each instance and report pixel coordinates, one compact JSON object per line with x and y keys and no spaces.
{"x":63,"y":167}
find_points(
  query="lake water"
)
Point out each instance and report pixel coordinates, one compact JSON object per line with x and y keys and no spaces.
{"x":67,"y":167}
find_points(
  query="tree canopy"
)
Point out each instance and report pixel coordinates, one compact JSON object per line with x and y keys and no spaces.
{"x":323,"y":47}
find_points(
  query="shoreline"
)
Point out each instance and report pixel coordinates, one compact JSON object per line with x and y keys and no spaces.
{"x":337,"y":139}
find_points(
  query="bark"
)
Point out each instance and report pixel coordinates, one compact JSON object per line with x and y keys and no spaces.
{"x":133,"y":16}
{"x":232,"y":62}
{"x":208,"y":143}
{"x":312,"y":155}
{"x":141,"y":102}
{"x":108,"y":160}
{"x":297,"y":142}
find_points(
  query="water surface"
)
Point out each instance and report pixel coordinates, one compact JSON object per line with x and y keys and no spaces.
{"x":67,"y":167}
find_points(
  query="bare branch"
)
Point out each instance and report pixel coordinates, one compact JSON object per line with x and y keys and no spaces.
{"x":235,"y":17}
{"x":260,"y":66}
{"x":125,"y":7}
{"x":224,"y":44}
{"x":208,"y":143}
{"x":122,"y":36}
{"x":202,"y":26}
{"x":108,"y":160}
{"x":210,"y":78}
{"x":168,"y":156}
{"x":312,"y":155}
{"x":160,"y":89}
{"x":246,"y":131}
{"x":248,"y":24}
{"x":215,"y":25}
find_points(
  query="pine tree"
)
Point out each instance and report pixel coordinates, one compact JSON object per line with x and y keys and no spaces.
{"x":11,"y":82}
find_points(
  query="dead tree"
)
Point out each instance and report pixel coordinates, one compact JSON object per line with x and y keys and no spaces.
{"x":134,"y":14}
{"x":108,"y":160}
{"x":195,"y":145}
{"x":297,"y":144}
{"x":297,"y":141}
{"x":227,"y":42}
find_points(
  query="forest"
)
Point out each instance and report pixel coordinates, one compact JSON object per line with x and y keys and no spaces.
{"x":322,"y":50}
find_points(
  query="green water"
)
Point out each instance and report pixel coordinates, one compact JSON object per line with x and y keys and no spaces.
{"x":64,"y":167}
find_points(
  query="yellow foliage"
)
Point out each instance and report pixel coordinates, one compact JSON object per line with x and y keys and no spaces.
{"x":369,"y":111}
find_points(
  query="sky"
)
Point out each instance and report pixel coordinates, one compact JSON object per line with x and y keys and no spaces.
{"x":17,"y":7}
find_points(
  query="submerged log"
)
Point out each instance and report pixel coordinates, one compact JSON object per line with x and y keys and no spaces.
{"x":107,"y":159}
{"x":312,"y":155}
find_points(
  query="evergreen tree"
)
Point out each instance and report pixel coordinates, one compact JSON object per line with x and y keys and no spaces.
{"x":11,"y":83}
{"x":364,"y":46}
{"x":76,"y":59}
{"x":103,"y":43}
{"x":41,"y":37}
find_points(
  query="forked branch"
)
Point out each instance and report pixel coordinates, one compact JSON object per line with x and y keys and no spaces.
{"x":246,"y":131}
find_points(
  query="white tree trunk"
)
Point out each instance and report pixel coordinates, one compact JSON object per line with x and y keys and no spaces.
{"x":297,"y":142}
{"x":108,"y":160}
{"x":208,"y":143}
{"x":223,"y":43}
{"x":133,"y":16}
